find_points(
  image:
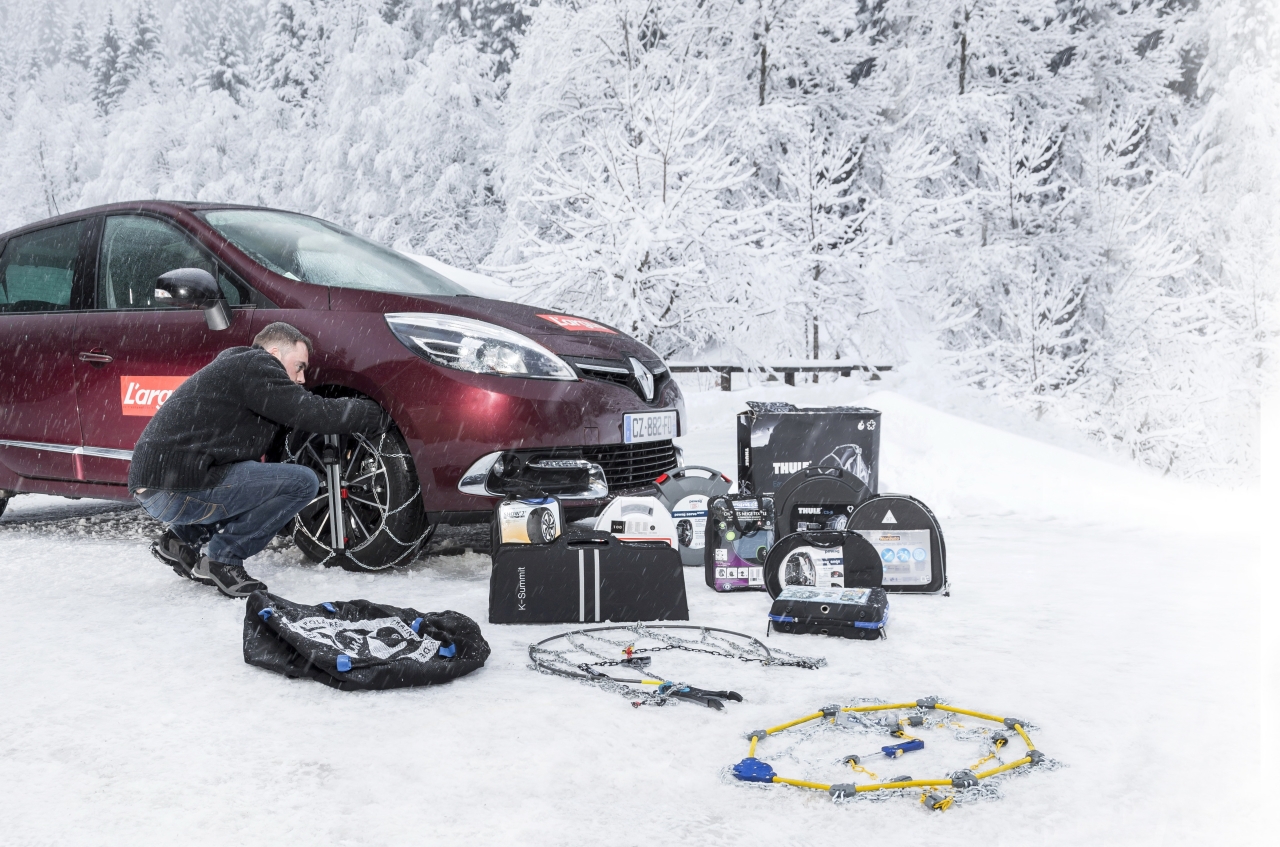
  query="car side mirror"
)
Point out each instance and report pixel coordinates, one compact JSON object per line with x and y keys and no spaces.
{"x":194,"y":288}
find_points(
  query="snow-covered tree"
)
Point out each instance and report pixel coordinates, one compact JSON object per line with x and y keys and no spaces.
{"x":77,"y":50}
{"x":293,"y":60}
{"x":626,"y":205}
{"x":223,"y":67}
{"x":110,"y":73}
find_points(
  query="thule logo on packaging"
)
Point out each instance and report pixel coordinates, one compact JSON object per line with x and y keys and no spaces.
{"x":520,"y":590}
{"x":789,"y":467}
{"x":808,"y":510}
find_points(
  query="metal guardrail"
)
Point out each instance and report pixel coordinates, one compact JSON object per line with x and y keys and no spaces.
{"x":788,"y":371}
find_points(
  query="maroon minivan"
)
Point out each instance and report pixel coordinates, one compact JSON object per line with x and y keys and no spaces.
{"x":479,"y":389}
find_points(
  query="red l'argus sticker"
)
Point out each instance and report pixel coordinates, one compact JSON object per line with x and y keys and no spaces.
{"x":576,"y":324}
{"x":142,"y":396}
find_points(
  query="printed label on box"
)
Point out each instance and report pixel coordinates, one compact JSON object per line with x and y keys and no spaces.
{"x":904,"y":555}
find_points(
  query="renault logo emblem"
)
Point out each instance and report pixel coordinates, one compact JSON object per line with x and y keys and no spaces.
{"x":644,"y":378}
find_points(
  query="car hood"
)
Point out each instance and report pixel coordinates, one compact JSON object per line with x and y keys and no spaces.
{"x":558,"y":332}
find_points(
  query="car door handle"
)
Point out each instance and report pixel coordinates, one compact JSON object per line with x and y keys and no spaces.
{"x":97,"y":357}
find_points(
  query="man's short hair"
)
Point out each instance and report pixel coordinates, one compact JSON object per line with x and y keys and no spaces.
{"x":281,"y":334}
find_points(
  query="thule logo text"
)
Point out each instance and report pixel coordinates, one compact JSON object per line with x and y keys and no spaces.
{"x":789,"y":467}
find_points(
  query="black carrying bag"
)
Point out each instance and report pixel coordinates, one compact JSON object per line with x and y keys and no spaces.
{"x":822,"y":560}
{"x":356,"y":645}
{"x":909,"y":541}
{"x":860,"y":613}
{"x":818,"y":498}
{"x":740,"y":531}
{"x":594,"y":577}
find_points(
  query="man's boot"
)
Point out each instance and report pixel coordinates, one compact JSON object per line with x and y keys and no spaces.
{"x":231,"y":580}
{"x":176,"y":553}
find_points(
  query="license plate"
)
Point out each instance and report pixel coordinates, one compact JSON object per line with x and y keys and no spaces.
{"x":648,"y":426}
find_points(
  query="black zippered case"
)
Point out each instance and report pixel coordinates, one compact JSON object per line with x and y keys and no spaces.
{"x":906,"y":536}
{"x":858,"y":613}
{"x":822,"y":560}
{"x":818,"y":498}
{"x":588,"y":579}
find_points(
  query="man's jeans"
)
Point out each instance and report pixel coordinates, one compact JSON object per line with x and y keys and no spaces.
{"x":239,"y":517}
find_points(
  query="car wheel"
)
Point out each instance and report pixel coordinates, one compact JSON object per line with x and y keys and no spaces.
{"x":799,"y":570}
{"x":382,"y":513}
{"x":541,"y":526}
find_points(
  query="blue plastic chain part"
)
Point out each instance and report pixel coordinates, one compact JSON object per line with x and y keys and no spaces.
{"x":417,"y":622}
{"x":343,"y":663}
{"x":266,"y":614}
{"x":330,"y":607}
{"x":448,"y":651}
{"x":752,"y":769}
{"x":781,"y":618}
{"x":893,"y":751}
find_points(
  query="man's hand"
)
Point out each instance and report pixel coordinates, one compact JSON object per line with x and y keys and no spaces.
{"x":379,"y":419}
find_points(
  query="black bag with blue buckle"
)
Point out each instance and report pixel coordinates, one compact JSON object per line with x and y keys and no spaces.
{"x":860,"y":613}
{"x":356,"y":645}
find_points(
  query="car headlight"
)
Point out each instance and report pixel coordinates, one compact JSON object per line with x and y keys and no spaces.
{"x":465,"y":344}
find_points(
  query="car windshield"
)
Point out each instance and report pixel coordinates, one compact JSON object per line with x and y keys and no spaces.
{"x":310,"y":250}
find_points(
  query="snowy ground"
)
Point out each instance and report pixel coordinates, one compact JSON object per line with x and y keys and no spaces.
{"x":1113,"y":609}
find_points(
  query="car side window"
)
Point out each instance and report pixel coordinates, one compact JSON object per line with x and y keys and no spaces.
{"x":137,"y":249}
{"x":36,"y":269}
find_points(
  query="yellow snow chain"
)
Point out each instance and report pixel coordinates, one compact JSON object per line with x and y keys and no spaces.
{"x":752,"y":769}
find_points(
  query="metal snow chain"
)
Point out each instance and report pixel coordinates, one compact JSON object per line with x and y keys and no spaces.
{"x":938,"y":794}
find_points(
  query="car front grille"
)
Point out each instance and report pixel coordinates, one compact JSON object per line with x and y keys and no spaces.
{"x":632,"y":465}
{"x":618,"y":372}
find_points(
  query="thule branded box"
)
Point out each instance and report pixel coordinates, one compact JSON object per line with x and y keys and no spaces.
{"x":775,"y":440}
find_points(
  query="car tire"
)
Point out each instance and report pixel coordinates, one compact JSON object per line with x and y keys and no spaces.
{"x":541,"y":526}
{"x":382,"y":504}
{"x":799,"y":569}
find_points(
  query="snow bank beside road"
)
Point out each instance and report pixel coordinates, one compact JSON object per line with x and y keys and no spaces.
{"x":961,"y":468}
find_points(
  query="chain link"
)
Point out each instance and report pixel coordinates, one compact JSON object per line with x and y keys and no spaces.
{"x":591,"y":643}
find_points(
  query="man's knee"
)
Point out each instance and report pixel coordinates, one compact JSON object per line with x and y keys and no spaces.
{"x":302,"y":483}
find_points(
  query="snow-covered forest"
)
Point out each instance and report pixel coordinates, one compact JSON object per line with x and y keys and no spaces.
{"x":1069,"y":205}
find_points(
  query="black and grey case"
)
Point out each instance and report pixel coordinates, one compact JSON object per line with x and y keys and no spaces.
{"x":818,"y":498}
{"x":860,"y":613}
{"x":777,"y":439}
{"x":687,"y":492}
{"x":908,"y":540}
{"x":594,"y":578}
{"x":821,"y":560}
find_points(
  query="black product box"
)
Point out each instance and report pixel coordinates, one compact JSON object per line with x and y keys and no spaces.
{"x":599,"y":578}
{"x":777,"y":439}
{"x":859,"y":613}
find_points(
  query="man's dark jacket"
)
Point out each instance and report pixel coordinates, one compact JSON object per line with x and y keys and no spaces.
{"x":233,"y":410}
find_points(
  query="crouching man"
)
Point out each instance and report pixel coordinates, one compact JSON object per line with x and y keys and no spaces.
{"x":197,"y":465}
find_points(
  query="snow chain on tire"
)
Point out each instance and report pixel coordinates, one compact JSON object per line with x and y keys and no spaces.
{"x":375,"y":482}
